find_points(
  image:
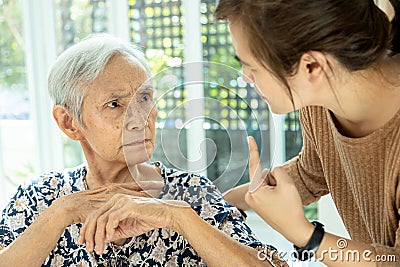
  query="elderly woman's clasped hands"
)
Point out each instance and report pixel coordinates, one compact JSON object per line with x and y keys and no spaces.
{"x":78,"y":206}
{"x":128,"y":215}
{"x":94,"y":207}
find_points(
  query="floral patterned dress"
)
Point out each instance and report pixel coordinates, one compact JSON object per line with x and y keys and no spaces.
{"x":161,"y":247}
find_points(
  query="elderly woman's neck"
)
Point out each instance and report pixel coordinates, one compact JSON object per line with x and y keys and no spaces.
{"x":98,"y":176}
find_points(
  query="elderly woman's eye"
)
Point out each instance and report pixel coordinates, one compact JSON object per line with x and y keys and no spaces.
{"x":113,"y":104}
{"x":146,"y":98}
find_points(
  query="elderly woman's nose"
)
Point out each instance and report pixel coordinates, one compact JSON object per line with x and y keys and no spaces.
{"x":135,"y":118}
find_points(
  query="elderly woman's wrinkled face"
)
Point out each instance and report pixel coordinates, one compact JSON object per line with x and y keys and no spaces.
{"x":119,"y":113}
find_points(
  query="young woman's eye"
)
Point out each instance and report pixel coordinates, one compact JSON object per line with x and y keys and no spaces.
{"x":113,"y":104}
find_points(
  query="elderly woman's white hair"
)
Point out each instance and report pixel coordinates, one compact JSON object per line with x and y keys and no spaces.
{"x":82,"y":63}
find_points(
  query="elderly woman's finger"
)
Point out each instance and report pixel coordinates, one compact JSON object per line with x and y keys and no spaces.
{"x":118,"y":215}
{"x":88,"y":229}
{"x":100,"y":237}
{"x":100,"y":234}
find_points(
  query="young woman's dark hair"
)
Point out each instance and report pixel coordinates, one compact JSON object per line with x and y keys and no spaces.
{"x":357,"y":33}
{"x":341,"y":59}
{"x":396,"y":27}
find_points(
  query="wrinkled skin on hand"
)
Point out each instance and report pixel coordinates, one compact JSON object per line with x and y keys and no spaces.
{"x":79,"y":205}
{"x":125,"y":216}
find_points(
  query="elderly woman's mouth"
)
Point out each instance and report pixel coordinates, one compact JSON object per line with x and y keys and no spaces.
{"x":138,"y":142}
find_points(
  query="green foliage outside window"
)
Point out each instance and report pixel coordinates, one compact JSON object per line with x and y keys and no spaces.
{"x":12,"y":58}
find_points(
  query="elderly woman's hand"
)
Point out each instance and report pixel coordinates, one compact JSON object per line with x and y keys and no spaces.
{"x":79,"y":205}
{"x":126,"y":216}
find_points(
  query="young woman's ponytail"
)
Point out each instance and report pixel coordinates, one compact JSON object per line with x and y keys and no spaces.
{"x":396,"y":27}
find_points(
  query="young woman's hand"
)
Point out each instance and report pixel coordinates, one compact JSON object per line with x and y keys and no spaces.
{"x":274,"y":196}
{"x":125,"y":216}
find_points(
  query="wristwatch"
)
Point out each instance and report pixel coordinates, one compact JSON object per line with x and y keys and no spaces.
{"x":309,"y":250}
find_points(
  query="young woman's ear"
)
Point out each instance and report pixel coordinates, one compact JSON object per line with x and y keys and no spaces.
{"x":66,"y":122}
{"x":314,"y":65}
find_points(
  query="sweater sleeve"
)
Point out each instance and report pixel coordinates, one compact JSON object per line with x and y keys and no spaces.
{"x":306,"y":169}
{"x":386,"y":255}
{"x":390,"y":255}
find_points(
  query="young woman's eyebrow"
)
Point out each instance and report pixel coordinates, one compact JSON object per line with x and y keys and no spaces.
{"x":241,"y":61}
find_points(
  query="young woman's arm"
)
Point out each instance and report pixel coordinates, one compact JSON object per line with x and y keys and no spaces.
{"x":281,"y":207}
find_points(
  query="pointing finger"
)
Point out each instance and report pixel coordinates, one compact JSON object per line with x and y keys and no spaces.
{"x":255,"y":169}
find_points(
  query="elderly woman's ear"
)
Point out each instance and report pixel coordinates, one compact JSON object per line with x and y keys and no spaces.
{"x":67,"y":122}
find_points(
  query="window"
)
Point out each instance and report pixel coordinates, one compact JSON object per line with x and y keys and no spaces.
{"x":229,"y":108}
{"x":16,"y":127}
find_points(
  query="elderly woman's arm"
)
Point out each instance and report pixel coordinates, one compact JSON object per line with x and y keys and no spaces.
{"x":33,"y":246}
{"x":236,"y":196}
{"x":124,"y":216}
{"x":214,"y":246}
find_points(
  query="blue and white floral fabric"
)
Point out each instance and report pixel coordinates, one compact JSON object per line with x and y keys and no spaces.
{"x":161,"y":247}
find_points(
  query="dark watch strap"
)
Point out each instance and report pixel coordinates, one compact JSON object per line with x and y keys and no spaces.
{"x":313,"y":244}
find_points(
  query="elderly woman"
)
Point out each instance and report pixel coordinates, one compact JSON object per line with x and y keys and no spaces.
{"x":103,"y":100}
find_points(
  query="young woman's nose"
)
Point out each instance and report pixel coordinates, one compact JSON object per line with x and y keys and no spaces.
{"x":247,"y":75}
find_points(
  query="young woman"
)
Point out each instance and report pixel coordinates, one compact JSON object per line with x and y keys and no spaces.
{"x":337,"y":62}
